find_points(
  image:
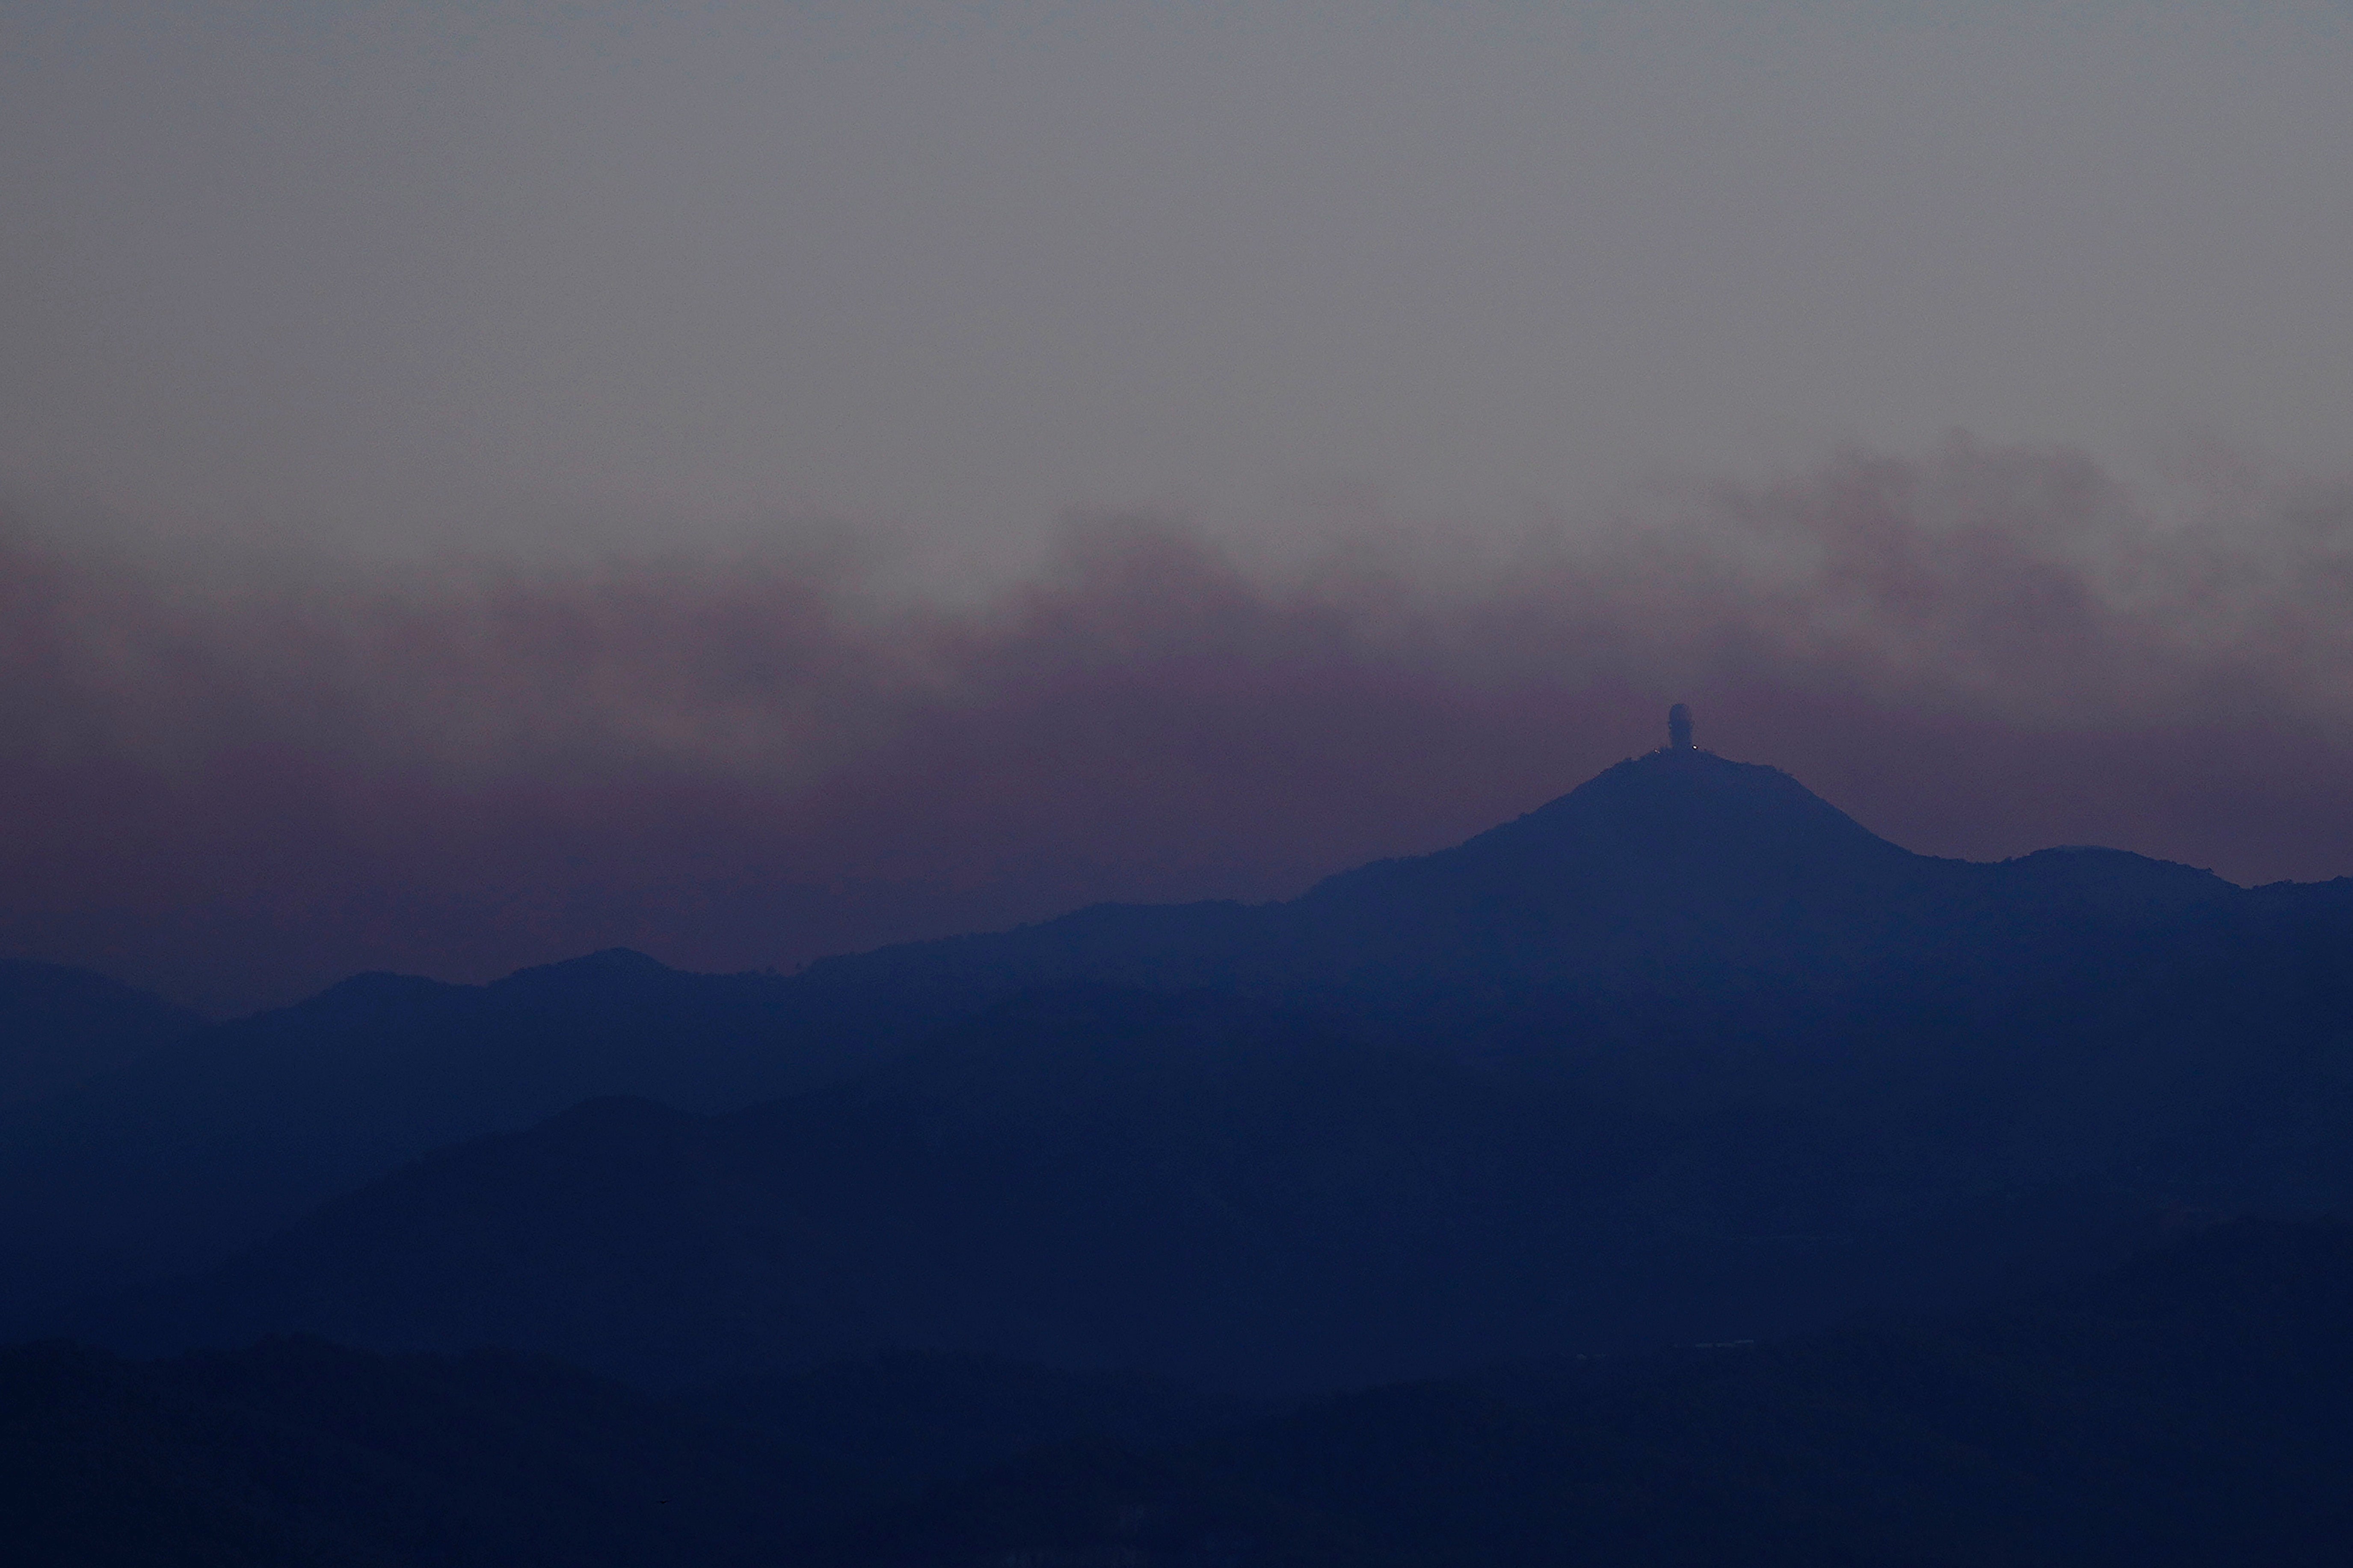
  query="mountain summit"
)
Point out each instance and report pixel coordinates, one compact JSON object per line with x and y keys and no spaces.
{"x":1656,"y":873}
{"x":1667,"y":826}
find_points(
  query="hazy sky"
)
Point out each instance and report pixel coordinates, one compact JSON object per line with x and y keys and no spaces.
{"x":480,"y":482}
{"x":414,"y":273}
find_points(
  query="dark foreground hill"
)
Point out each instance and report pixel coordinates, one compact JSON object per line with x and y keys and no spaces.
{"x":298,"y":1452}
{"x":2192,"y":1406}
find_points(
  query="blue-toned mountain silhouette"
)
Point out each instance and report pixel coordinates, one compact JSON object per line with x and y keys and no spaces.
{"x":1687,"y":1053}
{"x":61,"y":1027}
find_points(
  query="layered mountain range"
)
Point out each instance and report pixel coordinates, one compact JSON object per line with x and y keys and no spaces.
{"x":1685,"y":1054}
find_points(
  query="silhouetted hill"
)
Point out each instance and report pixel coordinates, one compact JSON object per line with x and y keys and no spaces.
{"x":1101,"y":1178}
{"x":298,"y":1452}
{"x":295,"y":1451}
{"x":1210,"y":1189}
{"x":60,"y":1027}
{"x":1685,"y":1046}
{"x":2193,"y":1407}
{"x":1677,"y":847}
{"x":173,"y":1161}
{"x":1674,"y":895}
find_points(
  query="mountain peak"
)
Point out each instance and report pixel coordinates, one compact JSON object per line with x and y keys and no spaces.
{"x":1678,"y":826}
{"x":1682,"y":810}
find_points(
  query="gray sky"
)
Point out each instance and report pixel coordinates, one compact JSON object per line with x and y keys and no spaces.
{"x":755,"y":482}
{"x":396,"y":276}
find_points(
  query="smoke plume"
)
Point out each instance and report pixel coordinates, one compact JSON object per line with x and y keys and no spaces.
{"x":239,"y":792}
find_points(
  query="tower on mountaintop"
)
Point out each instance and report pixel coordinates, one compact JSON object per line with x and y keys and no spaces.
{"x":1678,"y":727}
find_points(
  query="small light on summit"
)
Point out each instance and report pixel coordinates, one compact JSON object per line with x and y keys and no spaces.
{"x":1678,"y":727}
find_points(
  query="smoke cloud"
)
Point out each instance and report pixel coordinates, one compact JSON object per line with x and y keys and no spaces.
{"x":240,"y":792}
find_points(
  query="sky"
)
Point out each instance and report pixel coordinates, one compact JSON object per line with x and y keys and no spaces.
{"x":480,"y":482}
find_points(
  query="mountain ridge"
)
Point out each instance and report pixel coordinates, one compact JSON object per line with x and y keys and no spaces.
{"x":1702,"y":948}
